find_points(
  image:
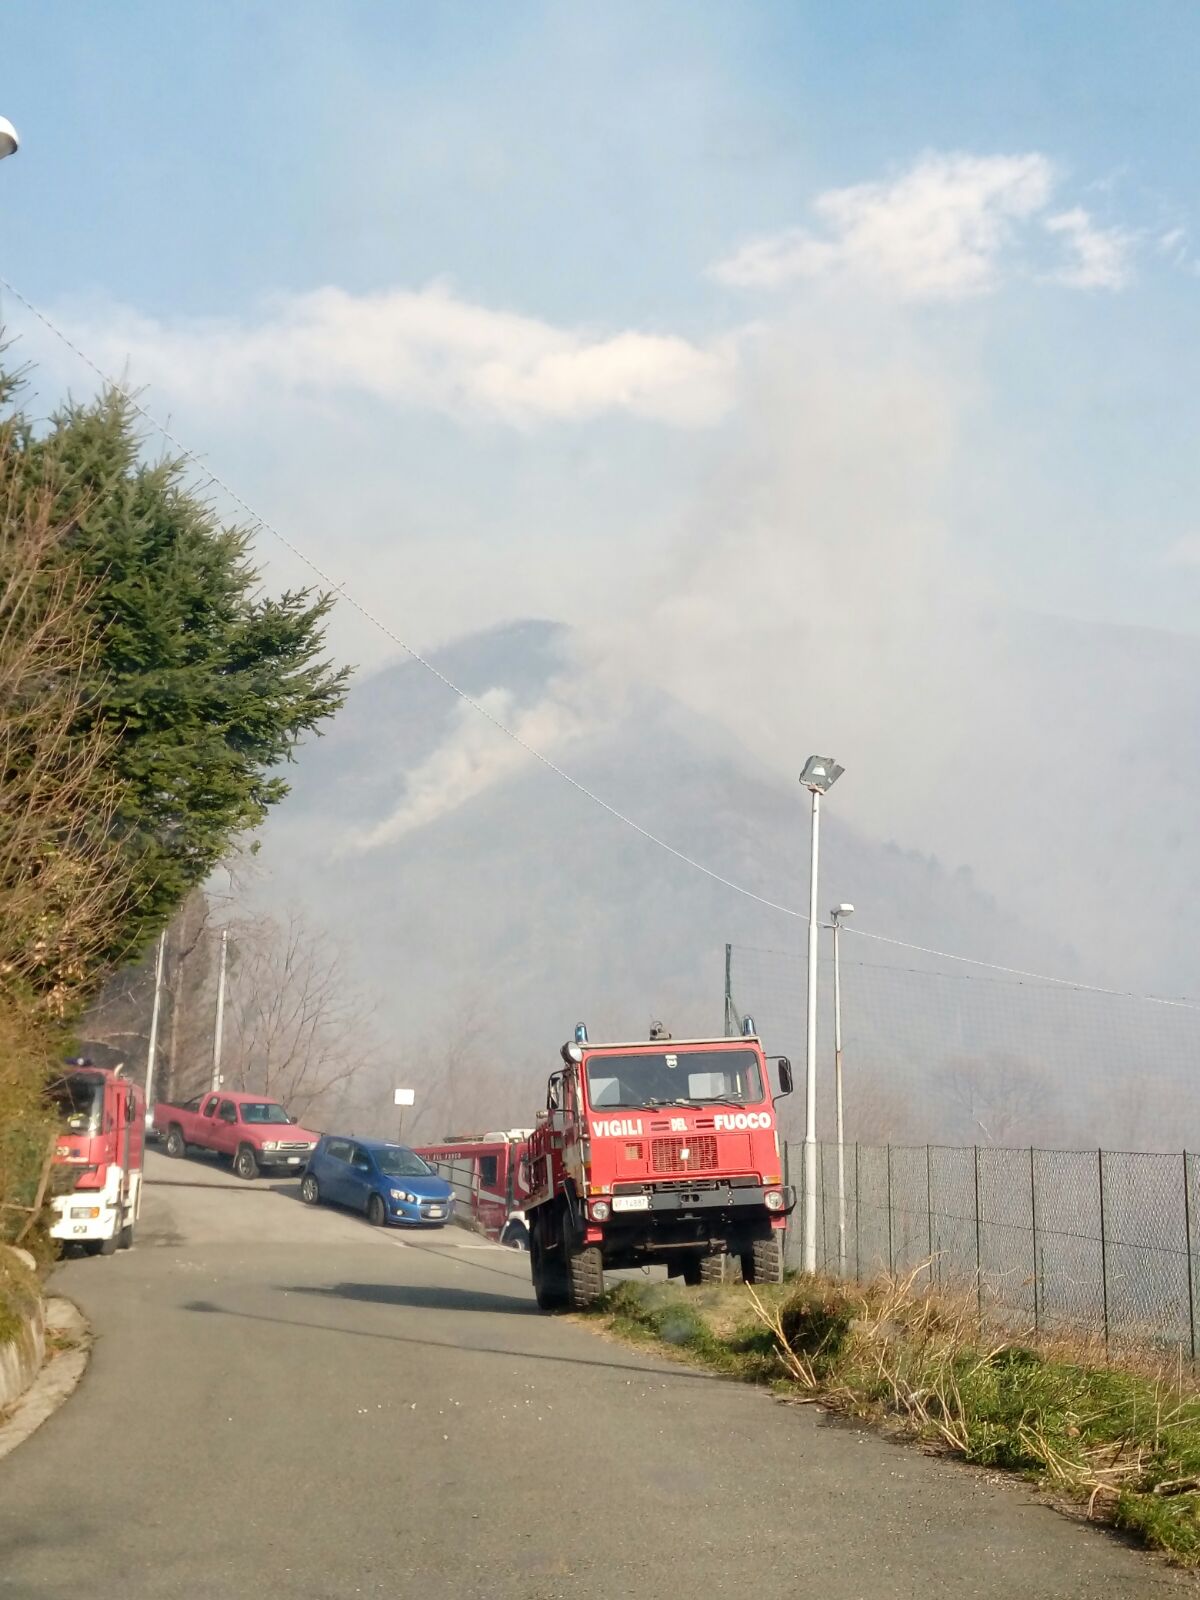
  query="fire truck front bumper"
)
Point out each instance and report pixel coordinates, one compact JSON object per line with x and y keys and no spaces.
{"x":630,"y":1202}
{"x":83,"y":1216}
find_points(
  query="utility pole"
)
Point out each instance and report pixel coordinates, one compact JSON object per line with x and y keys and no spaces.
{"x":219,"y":1030}
{"x":152,"y":1047}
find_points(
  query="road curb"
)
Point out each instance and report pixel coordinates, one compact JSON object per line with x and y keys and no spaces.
{"x":68,"y":1333}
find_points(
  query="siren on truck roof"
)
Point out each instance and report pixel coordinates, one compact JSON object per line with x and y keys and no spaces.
{"x":748,"y":1028}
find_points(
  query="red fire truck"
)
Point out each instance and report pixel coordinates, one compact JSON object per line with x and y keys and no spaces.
{"x":662,"y":1152}
{"x":99,"y":1153}
{"x":486,"y":1170}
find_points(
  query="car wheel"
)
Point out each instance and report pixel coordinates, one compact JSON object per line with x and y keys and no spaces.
{"x":245,"y":1163}
{"x":376,"y":1211}
{"x":176,"y":1145}
{"x":310,"y":1191}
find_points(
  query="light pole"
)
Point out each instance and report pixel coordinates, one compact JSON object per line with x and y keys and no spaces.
{"x":837,"y":915}
{"x":9,"y":143}
{"x":819,"y":775}
{"x":219,"y":1029}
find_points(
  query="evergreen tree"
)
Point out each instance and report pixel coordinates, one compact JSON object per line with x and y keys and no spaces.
{"x":201,"y":685}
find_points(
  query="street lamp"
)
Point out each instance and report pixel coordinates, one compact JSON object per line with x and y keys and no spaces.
{"x":9,"y":143}
{"x":837,"y":917}
{"x":819,"y":775}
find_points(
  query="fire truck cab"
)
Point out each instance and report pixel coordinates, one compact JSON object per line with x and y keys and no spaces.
{"x":99,"y":1157}
{"x":658,"y":1152}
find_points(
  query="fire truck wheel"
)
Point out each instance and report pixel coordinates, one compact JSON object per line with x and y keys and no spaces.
{"x":764,"y":1263}
{"x":125,"y":1237}
{"x":585,"y":1277}
{"x":176,"y":1145}
{"x":108,"y":1247}
{"x":715,"y":1269}
{"x":376,"y":1211}
{"x":549,"y":1279}
{"x":692,"y":1271}
{"x":245,"y":1163}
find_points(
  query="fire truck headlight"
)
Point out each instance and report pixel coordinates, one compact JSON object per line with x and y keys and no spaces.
{"x":601,"y":1210}
{"x":773,"y":1200}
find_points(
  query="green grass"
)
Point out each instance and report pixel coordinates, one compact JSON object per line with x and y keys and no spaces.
{"x":1120,"y":1437}
{"x":18,"y":1295}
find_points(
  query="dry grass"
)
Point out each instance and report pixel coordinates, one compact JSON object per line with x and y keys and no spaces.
{"x":1121,"y":1439}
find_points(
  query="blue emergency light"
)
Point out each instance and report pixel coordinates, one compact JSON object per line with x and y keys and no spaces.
{"x":748,"y":1028}
{"x":581,"y":1033}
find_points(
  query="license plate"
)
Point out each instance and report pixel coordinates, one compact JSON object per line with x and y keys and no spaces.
{"x":437,"y":1211}
{"x":631,"y":1202}
{"x":293,"y":1161}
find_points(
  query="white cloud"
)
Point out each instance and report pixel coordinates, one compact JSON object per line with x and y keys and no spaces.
{"x":1099,"y":256}
{"x":423,"y":348}
{"x":1183,"y":552}
{"x":939,"y":231}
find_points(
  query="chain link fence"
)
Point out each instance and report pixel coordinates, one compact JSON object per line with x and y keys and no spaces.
{"x":1099,"y":1242}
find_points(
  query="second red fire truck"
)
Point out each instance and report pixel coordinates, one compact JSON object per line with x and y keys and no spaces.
{"x":98,"y":1154}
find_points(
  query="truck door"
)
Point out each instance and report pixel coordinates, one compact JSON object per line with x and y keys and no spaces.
{"x":225,"y":1128}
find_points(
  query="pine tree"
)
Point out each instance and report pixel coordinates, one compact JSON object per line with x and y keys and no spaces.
{"x":201,"y":684}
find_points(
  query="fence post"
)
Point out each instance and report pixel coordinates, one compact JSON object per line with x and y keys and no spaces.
{"x":857,"y":1209}
{"x":1187,"y":1229}
{"x":891,"y":1241}
{"x":1103,"y":1247}
{"x":929,"y":1208}
{"x":978,"y":1243}
{"x":1033,"y":1215}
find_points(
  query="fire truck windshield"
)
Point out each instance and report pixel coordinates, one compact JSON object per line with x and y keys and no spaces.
{"x":675,"y":1078}
{"x":79,"y":1102}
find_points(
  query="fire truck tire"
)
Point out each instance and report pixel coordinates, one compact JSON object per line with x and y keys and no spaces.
{"x":764,"y":1262}
{"x":125,"y":1237}
{"x":585,"y":1277}
{"x":549,"y":1279}
{"x":176,"y":1145}
{"x":245,"y":1163}
{"x":715,"y":1269}
{"x":107,"y":1247}
{"x":692,"y":1271}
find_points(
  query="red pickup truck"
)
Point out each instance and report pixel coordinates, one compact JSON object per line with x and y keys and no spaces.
{"x":251,"y":1129}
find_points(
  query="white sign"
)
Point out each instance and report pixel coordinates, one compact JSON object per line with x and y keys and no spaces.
{"x":631,"y":1202}
{"x":406,"y":1097}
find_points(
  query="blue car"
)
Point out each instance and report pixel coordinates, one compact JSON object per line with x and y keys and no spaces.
{"x":385,"y":1181}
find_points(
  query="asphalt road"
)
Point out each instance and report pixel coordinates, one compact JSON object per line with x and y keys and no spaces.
{"x":287,"y":1403}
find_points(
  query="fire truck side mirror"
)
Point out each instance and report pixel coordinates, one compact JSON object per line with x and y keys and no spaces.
{"x":785,"y":1077}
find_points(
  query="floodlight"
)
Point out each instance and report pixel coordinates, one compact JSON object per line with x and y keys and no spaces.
{"x":9,"y":142}
{"x":820,"y":774}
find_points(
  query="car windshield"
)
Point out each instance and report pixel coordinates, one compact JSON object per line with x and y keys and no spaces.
{"x":263,"y":1111}
{"x":395,"y":1163}
{"x":675,"y":1078}
{"x":79,"y":1102}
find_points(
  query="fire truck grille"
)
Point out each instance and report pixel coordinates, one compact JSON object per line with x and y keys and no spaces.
{"x":683,"y":1155}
